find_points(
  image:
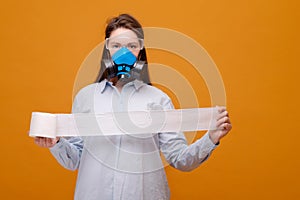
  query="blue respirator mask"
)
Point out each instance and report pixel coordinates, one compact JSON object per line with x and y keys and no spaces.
{"x":123,"y":64}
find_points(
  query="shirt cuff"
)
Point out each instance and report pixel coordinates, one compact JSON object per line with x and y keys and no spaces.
{"x":58,"y":145}
{"x":208,"y":142}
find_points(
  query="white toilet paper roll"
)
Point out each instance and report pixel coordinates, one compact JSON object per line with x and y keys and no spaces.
{"x":133,"y":122}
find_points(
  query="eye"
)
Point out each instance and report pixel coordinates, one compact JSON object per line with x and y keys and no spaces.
{"x":115,"y":46}
{"x":132,"y":46}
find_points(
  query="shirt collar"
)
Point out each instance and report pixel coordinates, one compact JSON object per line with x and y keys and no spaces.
{"x":136,"y":83}
{"x":103,"y":84}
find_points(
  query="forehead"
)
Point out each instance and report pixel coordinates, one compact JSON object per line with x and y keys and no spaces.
{"x":122,"y":33}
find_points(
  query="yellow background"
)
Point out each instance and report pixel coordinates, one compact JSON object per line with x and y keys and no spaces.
{"x":255,"y":45}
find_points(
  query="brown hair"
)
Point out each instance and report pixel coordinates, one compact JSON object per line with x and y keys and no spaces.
{"x":128,"y":22}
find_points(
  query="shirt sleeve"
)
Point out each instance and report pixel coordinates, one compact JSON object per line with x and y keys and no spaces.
{"x":68,"y":150}
{"x":181,"y":155}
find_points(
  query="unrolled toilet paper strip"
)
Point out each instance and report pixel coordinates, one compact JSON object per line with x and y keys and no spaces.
{"x":119,"y":123}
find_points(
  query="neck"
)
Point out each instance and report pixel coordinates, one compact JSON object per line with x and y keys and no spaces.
{"x":119,"y":83}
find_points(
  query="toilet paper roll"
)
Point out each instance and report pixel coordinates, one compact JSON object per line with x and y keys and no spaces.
{"x":118,"y":123}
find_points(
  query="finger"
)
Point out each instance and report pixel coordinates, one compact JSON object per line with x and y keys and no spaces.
{"x":44,"y":142}
{"x":226,"y":126}
{"x":222,"y":114}
{"x":221,"y":109}
{"x":37,"y":140}
{"x":40,"y":141}
{"x":47,"y":142}
{"x":227,"y":120}
{"x":222,"y":121}
{"x":52,"y":141}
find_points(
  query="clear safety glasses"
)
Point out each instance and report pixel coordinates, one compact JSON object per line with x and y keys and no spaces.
{"x":133,"y":44}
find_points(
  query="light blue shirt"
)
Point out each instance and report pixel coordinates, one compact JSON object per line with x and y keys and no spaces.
{"x":126,"y":167}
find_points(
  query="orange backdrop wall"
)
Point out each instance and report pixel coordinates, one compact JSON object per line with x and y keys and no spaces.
{"x":255,"y":45}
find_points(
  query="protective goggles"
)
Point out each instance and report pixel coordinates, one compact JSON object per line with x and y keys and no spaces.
{"x":133,"y":44}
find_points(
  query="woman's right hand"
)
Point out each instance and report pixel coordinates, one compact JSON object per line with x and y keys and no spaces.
{"x":46,"y":142}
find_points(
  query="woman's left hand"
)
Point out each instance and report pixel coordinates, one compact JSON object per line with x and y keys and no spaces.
{"x":223,"y":126}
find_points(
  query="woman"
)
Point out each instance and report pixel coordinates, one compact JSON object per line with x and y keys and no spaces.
{"x":126,"y":166}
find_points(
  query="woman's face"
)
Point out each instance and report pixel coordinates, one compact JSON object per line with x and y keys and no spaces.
{"x":122,"y":37}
